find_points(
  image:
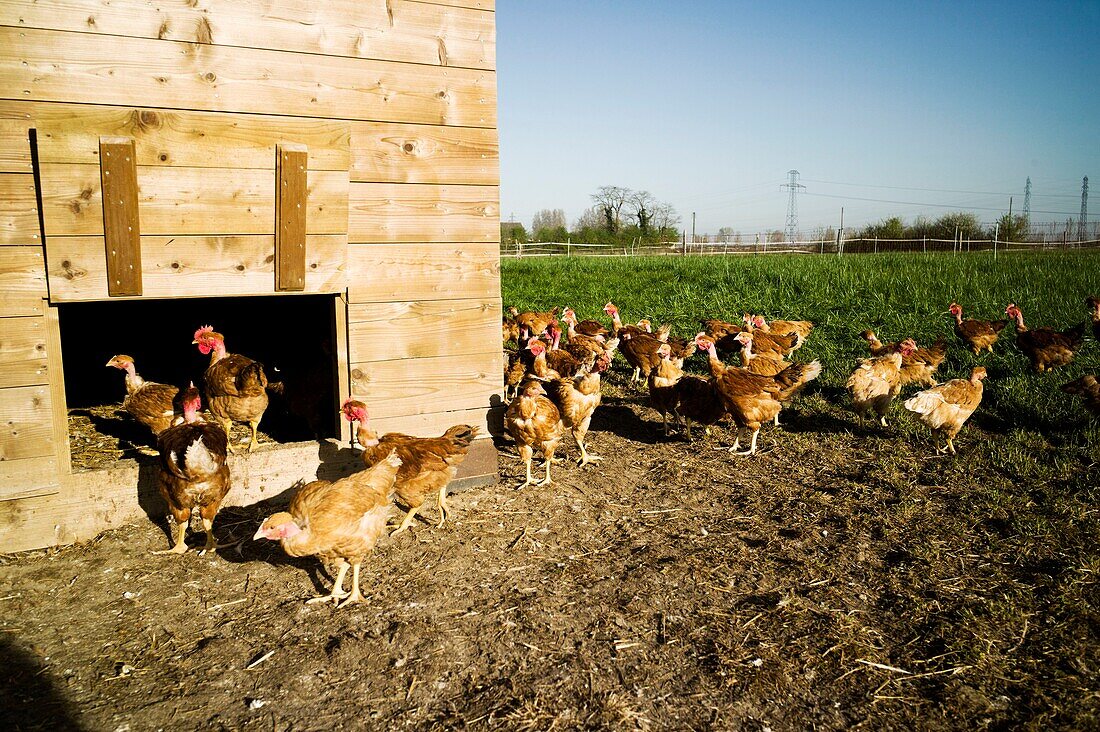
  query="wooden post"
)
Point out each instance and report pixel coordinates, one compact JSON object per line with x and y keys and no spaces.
{"x":341,"y":364}
{"x":290,"y":217}
{"x":56,"y":371}
{"x":121,"y":233}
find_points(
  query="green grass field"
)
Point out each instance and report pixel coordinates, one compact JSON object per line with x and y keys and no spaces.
{"x":897,"y":295}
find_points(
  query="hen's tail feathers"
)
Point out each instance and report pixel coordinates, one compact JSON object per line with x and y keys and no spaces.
{"x":938,"y":350}
{"x":199,"y":461}
{"x":796,"y":376}
{"x":251,"y":380}
{"x":462,"y":435}
{"x":998,"y":325}
{"x":1076,"y":335}
{"x":276,"y":387}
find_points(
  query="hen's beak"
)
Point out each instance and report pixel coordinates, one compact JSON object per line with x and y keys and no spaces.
{"x":259,"y":534}
{"x":110,"y":363}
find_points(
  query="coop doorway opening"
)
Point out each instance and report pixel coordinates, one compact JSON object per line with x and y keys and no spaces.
{"x":294,"y":337}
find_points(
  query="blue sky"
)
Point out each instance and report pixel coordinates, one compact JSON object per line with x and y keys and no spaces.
{"x":707,"y":105}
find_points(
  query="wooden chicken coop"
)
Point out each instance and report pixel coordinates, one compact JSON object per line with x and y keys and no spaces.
{"x":336,"y":159}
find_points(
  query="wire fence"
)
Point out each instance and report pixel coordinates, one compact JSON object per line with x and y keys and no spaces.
{"x":820,"y":246}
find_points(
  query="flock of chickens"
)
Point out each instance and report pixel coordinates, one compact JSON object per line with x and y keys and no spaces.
{"x":338,"y":521}
{"x":554,"y":385}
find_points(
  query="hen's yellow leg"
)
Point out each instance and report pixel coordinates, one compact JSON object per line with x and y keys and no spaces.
{"x":442,"y":506}
{"x":337,"y":587}
{"x":181,"y":545}
{"x":227,"y":425}
{"x":354,"y":596}
{"x":546,"y":480}
{"x":253,"y":444}
{"x":407,"y":521}
{"x":752,"y":445}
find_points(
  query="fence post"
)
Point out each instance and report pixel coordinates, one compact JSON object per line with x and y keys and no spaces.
{"x":876,"y":243}
{"x":996,"y":233}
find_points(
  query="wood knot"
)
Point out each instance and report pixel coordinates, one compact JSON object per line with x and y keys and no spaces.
{"x":210,"y":76}
{"x":163,"y":157}
{"x":409,"y":147}
{"x":240,"y":268}
{"x":175,"y":265}
{"x":148,"y":119}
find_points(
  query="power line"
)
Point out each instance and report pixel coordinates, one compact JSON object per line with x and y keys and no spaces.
{"x":937,"y":190}
{"x":930,"y":205}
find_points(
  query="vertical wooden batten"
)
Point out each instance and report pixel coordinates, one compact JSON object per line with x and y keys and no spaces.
{"x":290,"y":217}
{"x":121,"y":232}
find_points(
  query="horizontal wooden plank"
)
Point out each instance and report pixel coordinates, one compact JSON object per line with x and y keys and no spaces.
{"x":423,"y":385}
{"x":390,"y":213}
{"x":15,"y":147}
{"x":22,"y":280}
{"x":385,"y":331}
{"x":18,"y":210}
{"x":47,"y":65}
{"x":26,"y":428}
{"x":26,"y":478}
{"x":402,"y":272}
{"x":193,"y":266}
{"x":380,"y":152}
{"x":23,"y":352}
{"x":386,"y":152}
{"x":396,"y":153}
{"x":190,"y":200}
{"x":69,"y":133}
{"x":396,"y":30}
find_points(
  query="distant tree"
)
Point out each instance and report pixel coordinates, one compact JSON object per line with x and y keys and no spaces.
{"x":1012,"y":228}
{"x":512,"y":231}
{"x":591,"y":218}
{"x":640,"y":210}
{"x":664,"y":221}
{"x":547,"y":219}
{"x":776,"y":235}
{"x":725,"y":233}
{"x":891,"y":228}
{"x":967,"y":224}
{"x":610,"y":201}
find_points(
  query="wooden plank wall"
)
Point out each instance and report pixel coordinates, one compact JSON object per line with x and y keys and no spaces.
{"x":394,"y":99}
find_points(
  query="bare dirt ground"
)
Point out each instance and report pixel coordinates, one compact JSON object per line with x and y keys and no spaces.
{"x":844,"y":578}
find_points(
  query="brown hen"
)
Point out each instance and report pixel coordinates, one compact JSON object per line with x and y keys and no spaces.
{"x":978,"y":334}
{"x":1045,"y":348}
{"x":192,"y":472}
{"x":945,"y":408}
{"x":534,"y":422}
{"x":150,"y":403}
{"x":428,"y":464}
{"x":236,"y":386}
{"x":338,"y":522}
{"x":576,"y":399}
{"x":752,"y":399}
